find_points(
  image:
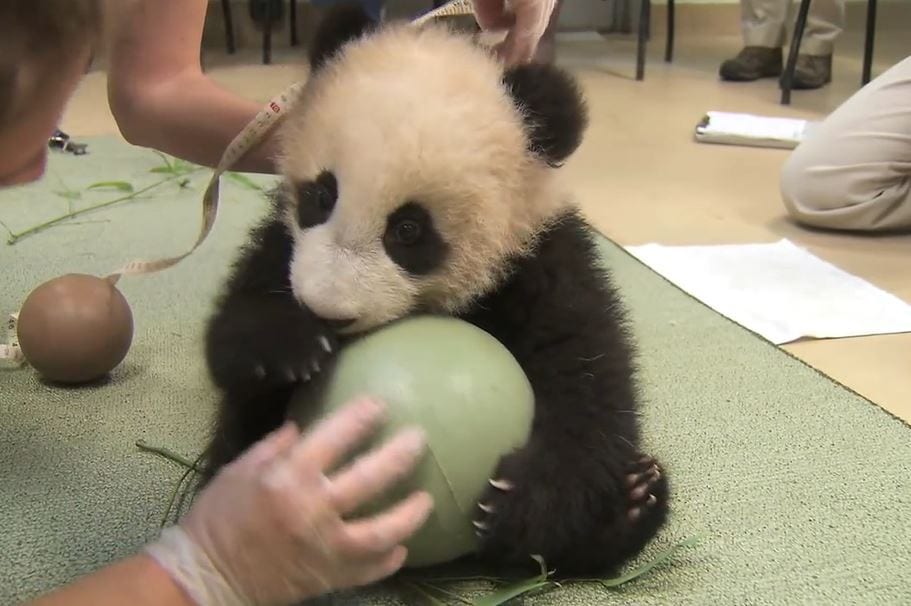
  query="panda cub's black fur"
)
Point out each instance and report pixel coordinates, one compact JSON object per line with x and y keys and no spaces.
{"x":581,"y":493}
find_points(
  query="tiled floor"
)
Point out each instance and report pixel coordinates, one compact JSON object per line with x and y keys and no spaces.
{"x":641,"y":178}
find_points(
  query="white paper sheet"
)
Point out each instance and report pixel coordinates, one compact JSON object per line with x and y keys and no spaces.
{"x":779,"y":290}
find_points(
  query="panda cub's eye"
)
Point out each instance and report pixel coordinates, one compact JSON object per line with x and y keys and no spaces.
{"x":413,"y":241}
{"x":316,"y":200}
{"x":407,"y":232}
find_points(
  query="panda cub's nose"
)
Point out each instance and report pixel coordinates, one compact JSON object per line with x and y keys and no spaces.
{"x":340,"y":324}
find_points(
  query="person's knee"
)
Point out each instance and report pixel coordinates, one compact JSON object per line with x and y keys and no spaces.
{"x":817,"y":191}
{"x":807,"y":190}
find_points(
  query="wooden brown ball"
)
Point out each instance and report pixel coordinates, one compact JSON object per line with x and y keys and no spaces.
{"x":75,"y":328}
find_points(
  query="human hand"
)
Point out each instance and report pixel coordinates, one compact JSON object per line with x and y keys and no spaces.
{"x":525,"y":20}
{"x":270,"y":527}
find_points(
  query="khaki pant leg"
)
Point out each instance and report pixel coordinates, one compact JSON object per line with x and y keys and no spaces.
{"x":825,"y":23}
{"x":764,"y":23}
{"x":854,"y":171}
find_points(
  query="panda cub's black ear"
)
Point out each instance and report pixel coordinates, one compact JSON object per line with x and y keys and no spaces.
{"x":555,"y":112}
{"x":341,"y":24}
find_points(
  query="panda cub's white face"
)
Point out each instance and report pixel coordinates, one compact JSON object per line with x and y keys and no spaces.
{"x":408,"y":179}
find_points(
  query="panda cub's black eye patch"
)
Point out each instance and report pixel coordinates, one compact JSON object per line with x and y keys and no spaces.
{"x":316,"y":199}
{"x":412,"y":240}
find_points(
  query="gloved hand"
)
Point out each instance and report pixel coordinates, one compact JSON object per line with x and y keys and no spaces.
{"x":269,"y":528}
{"x":525,"y":20}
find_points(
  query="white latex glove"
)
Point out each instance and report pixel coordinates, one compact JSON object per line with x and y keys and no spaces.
{"x":525,"y":21}
{"x":270,"y":528}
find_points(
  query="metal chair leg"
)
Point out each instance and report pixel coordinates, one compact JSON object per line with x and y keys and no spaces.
{"x":868,"y":42}
{"x":787,"y":78}
{"x":229,"y":25}
{"x":644,"y":15}
{"x":292,"y":19}
{"x":267,"y":33}
{"x":669,"y":43}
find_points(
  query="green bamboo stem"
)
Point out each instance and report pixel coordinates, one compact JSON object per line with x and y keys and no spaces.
{"x":15,"y":237}
{"x":168,"y":454}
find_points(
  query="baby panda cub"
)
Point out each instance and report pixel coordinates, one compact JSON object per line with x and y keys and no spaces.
{"x":420,"y":176}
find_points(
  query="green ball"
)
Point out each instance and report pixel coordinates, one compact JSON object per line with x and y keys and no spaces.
{"x":468,"y":393}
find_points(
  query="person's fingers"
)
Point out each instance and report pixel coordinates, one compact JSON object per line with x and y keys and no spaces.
{"x":336,"y":435}
{"x":375,"y":472}
{"x":273,"y":445}
{"x":380,"y":533}
{"x":531,"y":21}
{"x":492,"y":14}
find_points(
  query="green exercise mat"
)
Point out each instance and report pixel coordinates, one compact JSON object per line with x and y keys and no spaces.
{"x":800,"y":489}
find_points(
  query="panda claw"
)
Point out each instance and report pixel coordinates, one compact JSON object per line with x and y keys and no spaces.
{"x":479,"y":525}
{"x":504,"y":485}
{"x":485,"y":507}
{"x":290,"y":374}
{"x":325,"y":344}
{"x":315,"y":365}
{"x":639,"y":492}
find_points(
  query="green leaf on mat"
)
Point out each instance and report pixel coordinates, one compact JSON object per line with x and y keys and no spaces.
{"x":542,"y":580}
{"x":181,"y":167}
{"x":645,"y":568}
{"x":515,"y":590}
{"x":69,"y":194}
{"x":118,"y":185}
{"x":162,"y":169}
{"x":244,"y":180}
{"x":165,"y":159}
{"x":511,"y":592}
{"x":421,"y":591}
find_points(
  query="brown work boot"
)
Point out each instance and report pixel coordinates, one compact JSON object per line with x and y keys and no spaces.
{"x":812,"y":71}
{"x":752,"y":63}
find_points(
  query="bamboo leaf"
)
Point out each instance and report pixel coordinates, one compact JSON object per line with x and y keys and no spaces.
{"x":69,"y":194}
{"x":638,"y":572}
{"x":162,"y":169}
{"x":181,"y":167}
{"x":118,"y":185}
{"x":168,"y":168}
{"x":244,"y":180}
{"x":511,"y":592}
{"x":515,"y":590}
{"x":419,"y":589}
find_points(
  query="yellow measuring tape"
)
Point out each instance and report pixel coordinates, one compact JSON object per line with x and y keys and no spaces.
{"x":251,"y":134}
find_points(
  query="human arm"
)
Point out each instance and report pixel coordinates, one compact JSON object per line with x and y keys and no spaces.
{"x":136,"y":580}
{"x":271,"y":527}
{"x":524,"y":20}
{"x":160,"y":96}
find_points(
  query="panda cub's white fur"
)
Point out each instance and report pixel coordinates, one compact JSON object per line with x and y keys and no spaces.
{"x":411,"y":114}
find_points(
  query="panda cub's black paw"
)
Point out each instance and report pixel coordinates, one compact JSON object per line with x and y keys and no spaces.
{"x":273,"y":347}
{"x":582,"y":518}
